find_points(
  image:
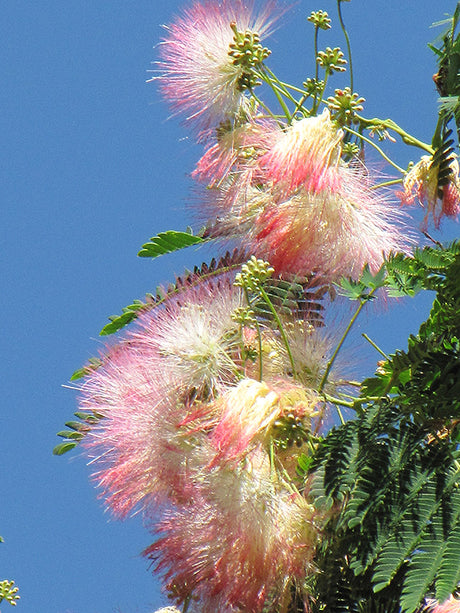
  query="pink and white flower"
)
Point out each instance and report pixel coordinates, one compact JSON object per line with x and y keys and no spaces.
{"x":200,"y":74}
{"x":249,"y":411}
{"x":421,"y":183}
{"x":307,"y":155}
{"x":243,"y":541}
{"x":299,"y":206}
{"x":334,"y":231}
{"x":175,"y":355}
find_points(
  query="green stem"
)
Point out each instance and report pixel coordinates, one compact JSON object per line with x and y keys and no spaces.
{"x":343,"y":403}
{"x":293,"y":87}
{"x":259,"y":338}
{"x":277,"y":91}
{"x":376,"y":347}
{"x":284,"y":92}
{"x":316,"y":64}
{"x":299,"y":106}
{"x":370,"y":142}
{"x":267,"y":300}
{"x":281,"y":85}
{"x":320,"y":99}
{"x":187,"y":602}
{"x":389,"y":124}
{"x":264,"y":106}
{"x":342,"y":340}
{"x":347,"y":39}
{"x":386,"y":183}
{"x":342,"y":420}
{"x":272,"y":460}
{"x":347,"y":382}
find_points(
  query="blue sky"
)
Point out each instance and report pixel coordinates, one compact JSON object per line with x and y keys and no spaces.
{"x":91,"y":169}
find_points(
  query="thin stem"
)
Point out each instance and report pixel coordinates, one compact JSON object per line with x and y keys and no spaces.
{"x":376,"y":347}
{"x":293,"y":87}
{"x":272,"y":459}
{"x":283,"y":91}
{"x":386,"y":183}
{"x":342,"y":340}
{"x":382,"y":153}
{"x":298,"y":103}
{"x":337,"y":402}
{"x":389,"y":124}
{"x":259,"y":338}
{"x":344,"y":30}
{"x":342,"y":420}
{"x":299,"y":106}
{"x":187,"y":602}
{"x":316,"y":64}
{"x":433,"y":240}
{"x":283,"y":87}
{"x":343,"y":403}
{"x":347,"y":382}
{"x":277,"y":91}
{"x":265,"y":296}
{"x":264,"y":106}
{"x":320,"y":98}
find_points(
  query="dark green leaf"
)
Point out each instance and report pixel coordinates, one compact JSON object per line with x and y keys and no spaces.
{"x":167,"y":242}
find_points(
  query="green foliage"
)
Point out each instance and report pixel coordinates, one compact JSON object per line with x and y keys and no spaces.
{"x":130,"y":312}
{"x":393,"y":472}
{"x":446,"y":79}
{"x":189,"y":279}
{"x":363,"y":288}
{"x":301,"y":297}
{"x":167,"y":242}
{"x":93,"y":364}
{"x":77,"y":431}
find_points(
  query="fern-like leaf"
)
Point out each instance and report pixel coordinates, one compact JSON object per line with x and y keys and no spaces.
{"x":423,"y":567}
{"x":167,"y":242}
{"x":190,"y":278}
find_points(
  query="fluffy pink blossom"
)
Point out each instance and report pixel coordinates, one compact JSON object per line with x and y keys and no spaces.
{"x":199,"y":74}
{"x":421,"y":183}
{"x":235,"y":150}
{"x":244,"y":540}
{"x":296,"y":204}
{"x":173,"y":355}
{"x":307,"y":155}
{"x":334,"y":232}
{"x":248,"y":412}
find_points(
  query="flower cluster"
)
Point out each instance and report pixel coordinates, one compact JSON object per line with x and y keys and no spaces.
{"x":186,"y":428}
{"x":286,"y":193}
{"x":200,"y":412}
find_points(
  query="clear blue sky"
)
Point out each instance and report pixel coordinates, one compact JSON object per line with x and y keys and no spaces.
{"x":91,"y":169}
